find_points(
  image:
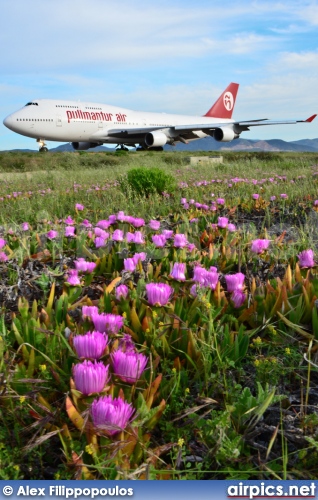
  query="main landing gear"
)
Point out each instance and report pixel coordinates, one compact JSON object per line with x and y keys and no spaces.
{"x":121,"y":148}
{"x":42,"y":146}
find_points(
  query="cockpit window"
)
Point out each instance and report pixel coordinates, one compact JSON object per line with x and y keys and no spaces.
{"x":31,"y":103}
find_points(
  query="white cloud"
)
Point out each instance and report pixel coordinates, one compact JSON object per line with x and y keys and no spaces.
{"x":306,"y":60}
{"x":309,"y":13}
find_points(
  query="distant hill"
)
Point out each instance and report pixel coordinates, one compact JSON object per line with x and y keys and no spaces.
{"x":210,"y":144}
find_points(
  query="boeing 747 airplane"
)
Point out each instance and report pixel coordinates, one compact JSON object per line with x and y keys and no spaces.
{"x":87,"y":125}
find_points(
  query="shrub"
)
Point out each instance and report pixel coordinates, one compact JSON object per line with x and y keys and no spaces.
{"x":147,"y":181}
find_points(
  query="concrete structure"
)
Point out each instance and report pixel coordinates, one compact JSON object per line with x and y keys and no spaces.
{"x":195,"y":160}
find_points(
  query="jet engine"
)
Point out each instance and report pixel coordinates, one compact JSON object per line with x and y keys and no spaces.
{"x":225,"y":134}
{"x":154,"y":139}
{"x":82,"y":146}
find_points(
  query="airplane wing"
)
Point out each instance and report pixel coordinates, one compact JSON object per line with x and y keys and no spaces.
{"x":243,"y":125}
{"x":188,"y":131}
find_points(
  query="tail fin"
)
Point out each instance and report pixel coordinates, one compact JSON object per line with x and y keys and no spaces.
{"x":224,"y":106}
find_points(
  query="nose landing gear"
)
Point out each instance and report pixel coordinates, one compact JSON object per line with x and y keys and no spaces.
{"x":42,"y":146}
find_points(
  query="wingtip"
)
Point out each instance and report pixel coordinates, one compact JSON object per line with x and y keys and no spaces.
{"x":311,"y":118}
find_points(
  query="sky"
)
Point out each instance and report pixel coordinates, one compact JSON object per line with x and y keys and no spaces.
{"x":174,"y":57}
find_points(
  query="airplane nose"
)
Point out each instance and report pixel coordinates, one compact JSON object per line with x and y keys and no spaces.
{"x":8,"y":122}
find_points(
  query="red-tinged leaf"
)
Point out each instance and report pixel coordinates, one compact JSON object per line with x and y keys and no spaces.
{"x":151,"y":391}
{"x":156,"y":417}
{"x":43,"y":402}
{"x":112,"y":285}
{"x":73,"y":414}
{"x":130,"y":444}
{"x":288,"y":279}
{"x":294,"y":327}
{"x":82,"y":471}
{"x":177,"y":364}
{"x":280,"y":238}
{"x":157,"y":452}
{"x":132,"y":333}
{"x":134,"y":319}
{"x":248,"y":313}
{"x":34,"y":415}
{"x":121,"y":394}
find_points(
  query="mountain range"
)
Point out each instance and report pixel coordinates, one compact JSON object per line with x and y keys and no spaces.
{"x":210,"y":144}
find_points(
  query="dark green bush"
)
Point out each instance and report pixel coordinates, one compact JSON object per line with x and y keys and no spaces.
{"x":147,"y":181}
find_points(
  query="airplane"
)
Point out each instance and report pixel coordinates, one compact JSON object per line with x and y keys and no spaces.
{"x":87,"y":125}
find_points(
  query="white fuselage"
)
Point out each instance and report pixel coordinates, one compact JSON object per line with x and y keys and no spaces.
{"x":69,"y":121}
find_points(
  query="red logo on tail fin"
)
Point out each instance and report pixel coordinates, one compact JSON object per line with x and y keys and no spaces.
{"x":223,"y":107}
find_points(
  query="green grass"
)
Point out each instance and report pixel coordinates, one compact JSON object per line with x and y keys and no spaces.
{"x":227,"y":388}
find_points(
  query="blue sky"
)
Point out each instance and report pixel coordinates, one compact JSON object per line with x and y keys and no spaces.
{"x":163,"y":56}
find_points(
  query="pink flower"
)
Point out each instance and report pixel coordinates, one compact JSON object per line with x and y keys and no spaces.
{"x":130,"y":237}
{"x":51,"y":234}
{"x":154,"y":224}
{"x":25,"y":226}
{"x":121,"y":292}
{"x":112,"y":218}
{"x":118,"y":235}
{"x":113,"y":415}
{"x":70,"y":232}
{"x":141,"y":256}
{"x":139,"y":238}
{"x":3,"y":257}
{"x":121,"y":216}
{"x":211,"y":279}
{"x":106,"y":322}
{"x":2,"y":242}
{"x":87,"y":311}
{"x":199,"y":274}
{"x":137,"y":222}
{"x":126,"y":343}
{"x":73,"y":278}
{"x":238,"y":298}
{"x":220,"y":201}
{"x":86,"y":223}
{"x":306,"y":258}
{"x":90,"y":377}
{"x":129,"y":265}
{"x":101,"y":233}
{"x":91,"y":345}
{"x":206,"y":278}
{"x":159,"y":240}
{"x":191,"y":247}
{"x":79,"y":207}
{"x":258,"y":246}
{"x":103,"y":224}
{"x":158,"y":293}
{"x":99,"y":242}
{"x":129,"y":365}
{"x":180,"y":240}
{"x":222,"y":222}
{"x":284,"y":196}
{"x":234,"y":282}
{"x":83,"y":266}
{"x":193,"y":291}
{"x":168,"y":233}
{"x":69,"y":220}
{"x":178,"y":271}
{"x":231,"y":228}
{"x":255,"y":196}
